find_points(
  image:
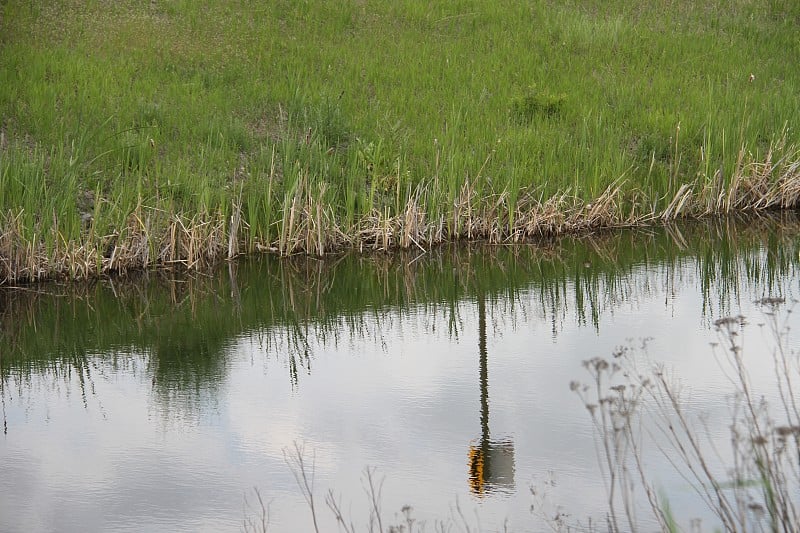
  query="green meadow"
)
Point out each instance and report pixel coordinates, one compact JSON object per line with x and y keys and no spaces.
{"x":135,"y":134}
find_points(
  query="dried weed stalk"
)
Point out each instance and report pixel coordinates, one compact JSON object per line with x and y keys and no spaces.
{"x":757,"y":492}
{"x":309,"y":223}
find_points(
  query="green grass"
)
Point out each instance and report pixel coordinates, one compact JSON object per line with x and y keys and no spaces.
{"x":322,"y":122}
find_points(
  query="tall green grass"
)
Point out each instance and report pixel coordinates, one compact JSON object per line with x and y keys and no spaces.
{"x":324,"y":124}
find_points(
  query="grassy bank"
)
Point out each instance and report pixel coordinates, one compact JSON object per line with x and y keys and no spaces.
{"x":134,"y":134}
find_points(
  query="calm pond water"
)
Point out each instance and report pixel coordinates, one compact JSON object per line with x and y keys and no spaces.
{"x":160,"y":403}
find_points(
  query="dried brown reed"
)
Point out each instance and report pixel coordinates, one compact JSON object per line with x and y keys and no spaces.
{"x":309,"y":223}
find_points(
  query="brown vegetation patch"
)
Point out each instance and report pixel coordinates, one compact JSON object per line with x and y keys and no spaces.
{"x":152,"y":237}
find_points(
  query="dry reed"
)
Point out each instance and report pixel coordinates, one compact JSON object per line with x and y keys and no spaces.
{"x":152,"y":237}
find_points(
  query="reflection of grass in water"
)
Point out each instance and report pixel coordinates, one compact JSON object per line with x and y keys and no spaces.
{"x":185,"y":327}
{"x":78,"y":371}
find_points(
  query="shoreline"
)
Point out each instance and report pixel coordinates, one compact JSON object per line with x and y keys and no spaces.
{"x":155,"y":239}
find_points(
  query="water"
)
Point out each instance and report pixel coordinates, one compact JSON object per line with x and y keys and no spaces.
{"x":164,"y":402}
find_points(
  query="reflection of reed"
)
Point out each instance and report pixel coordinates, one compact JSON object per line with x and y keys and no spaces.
{"x":3,"y":395}
{"x":186,"y":324}
{"x":55,"y":376}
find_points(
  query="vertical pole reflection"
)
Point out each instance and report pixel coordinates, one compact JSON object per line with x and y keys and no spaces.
{"x":491,"y":463}
{"x":484,"y":372}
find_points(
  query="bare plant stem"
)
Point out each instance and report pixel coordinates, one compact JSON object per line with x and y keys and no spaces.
{"x":374,"y":494}
{"x":261,"y":524}
{"x":296,"y":460}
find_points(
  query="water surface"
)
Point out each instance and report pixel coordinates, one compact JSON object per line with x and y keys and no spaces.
{"x":160,"y":402}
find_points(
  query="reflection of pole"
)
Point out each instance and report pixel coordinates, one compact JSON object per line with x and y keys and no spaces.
{"x":479,"y":456}
{"x":491,"y":464}
{"x":484,"y":375}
